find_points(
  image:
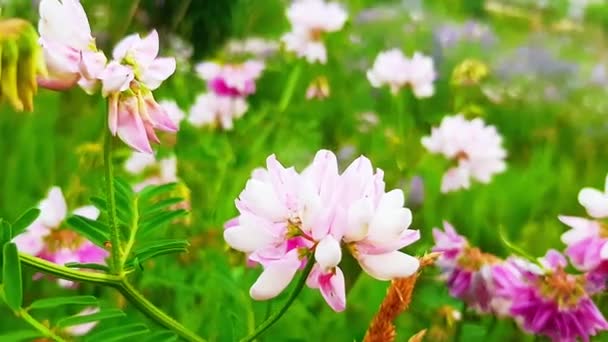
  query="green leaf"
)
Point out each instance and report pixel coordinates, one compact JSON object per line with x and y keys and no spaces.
{"x":60,"y":301}
{"x":98,"y":316}
{"x":160,"y":205}
{"x":11,"y":275}
{"x":162,"y":244}
{"x":161,"y":336}
{"x":95,"y":231}
{"x":25,"y":220}
{"x":120,"y":333}
{"x":147,"y":193}
{"x":157,"y":221}
{"x":100,"y":203}
{"x":97,"y":267}
{"x":20,"y":335}
{"x":289,"y":89}
{"x":6,"y":232}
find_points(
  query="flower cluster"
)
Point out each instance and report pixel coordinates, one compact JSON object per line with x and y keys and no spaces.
{"x":310,"y":20}
{"x":228,"y":85}
{"x":47,"y":238}
{"x":392,"y":68}
{"x":542,"y":298}
{"x":288,"y":217}
{"x":127,"y":80}
{"x":473,"y":145}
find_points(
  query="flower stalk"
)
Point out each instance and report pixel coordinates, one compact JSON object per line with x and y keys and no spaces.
{"x":272,"y":319}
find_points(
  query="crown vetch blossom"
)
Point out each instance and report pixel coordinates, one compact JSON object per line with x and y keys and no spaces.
{"x":210,"y":109}
{"x":128,"y":81}
{"x":473,"y":145}
{"x":394,"y":69}
{"x":47,"y":239}
{"x":468,"y":271}
{"x":310,"y":20}
{"x":69,"y":48}
{"x":287,"y":217}
{"x":234,"y":80}
{"x":551,"y":302}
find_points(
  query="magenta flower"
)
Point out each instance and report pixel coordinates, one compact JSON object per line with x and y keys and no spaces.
{"x":48,"y":239}
{"x":69,"y":49}
{"x":287,"y":217}
{"x":233,"y":80}
{"x":554,"y":303}
{"x":475,"y":147}
{"x":128,"y":81}
{"x":467,"y":270}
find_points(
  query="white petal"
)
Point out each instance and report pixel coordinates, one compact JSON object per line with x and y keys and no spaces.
{"x":89,"y":211}
{"x":328,"y":253}
{"x":53,"y":208}
{"x":275,"y":277}
{"x":387,"y":225}
{"x":604,"y":251}
{"x":594,"y":201}
{"x":390,"y":265}
{"x":246,"y":238}
{"x":359,"y":216}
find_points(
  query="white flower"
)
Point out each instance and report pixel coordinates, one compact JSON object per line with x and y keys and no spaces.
{"x":475,"y":146}
{"x":310,"y":19}
{"x":394,"y":69}
{"x":595,"y":201}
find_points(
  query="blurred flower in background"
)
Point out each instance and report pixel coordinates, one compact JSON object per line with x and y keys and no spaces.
{"x":310,"y":20}
{"x":48,"y":239}
{"x":475,"y":147}
{"x":392,"y":68}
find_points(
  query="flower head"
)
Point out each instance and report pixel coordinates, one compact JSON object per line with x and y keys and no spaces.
{"x":473,"y":145}
{"x":287,"y":217}
{"x":551,"y":302}
{"x":310,"y":20}
{"x":48,"y":239}
{"x":128,"y":81}
{"x":392,"y":68}
{"x":69,"y":48}
{"x":467,"y":270}
{"x":234,"y":80}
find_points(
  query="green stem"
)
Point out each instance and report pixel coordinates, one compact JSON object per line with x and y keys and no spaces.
{"x":150,"y":310}
{"x":292,"y":296}
{"x":115,"y":264}
{"x":69,"y":273}
{"x":132,"y":236}
{"x":44,"y":330}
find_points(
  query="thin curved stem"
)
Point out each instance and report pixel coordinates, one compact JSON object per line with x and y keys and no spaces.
{"x":44,"y":330}
{"x":69,"y":273}
{"x":154,"y":313}
{"x":292,"y":296}
{"x":115,"y":262}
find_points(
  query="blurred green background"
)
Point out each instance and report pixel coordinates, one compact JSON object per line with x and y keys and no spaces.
{"x":545,"y":92}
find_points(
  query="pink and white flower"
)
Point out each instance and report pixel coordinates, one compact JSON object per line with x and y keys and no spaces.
{"x":175,"y":113}
{"x":69,"y":48}
{"x":46,"y":237}
{"x":473,"y":145}
{"x":128,"y":81}
{"x":233,"y":80}
{"x":394,"y":69}
{"x":287,"y":217}
{"x":310,"y":20}
{"x":210,"y":109}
